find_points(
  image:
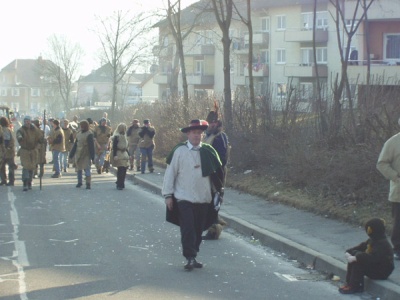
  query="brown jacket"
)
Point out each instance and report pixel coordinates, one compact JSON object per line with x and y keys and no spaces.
{"x":29,"y":138}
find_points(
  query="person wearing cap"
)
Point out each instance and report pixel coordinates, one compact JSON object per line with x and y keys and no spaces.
{"x":56,"y":141}
{"x":147,"y":145}
{"x":83,"y":152}
{"x":133,"y":141}
{"x":102,"y":134}
{"x":192,"y":176}
{"x":68,"y":142}
{"x":7,"y":153}
{"x":29,"y":138}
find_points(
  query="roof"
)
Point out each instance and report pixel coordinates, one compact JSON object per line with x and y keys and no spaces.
{"x":28,"y":71}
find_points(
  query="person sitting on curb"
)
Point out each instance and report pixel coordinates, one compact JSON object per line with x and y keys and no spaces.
{"x":372,"y":258}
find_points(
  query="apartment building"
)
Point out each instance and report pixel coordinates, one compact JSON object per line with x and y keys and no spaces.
{"x":283,"y":48}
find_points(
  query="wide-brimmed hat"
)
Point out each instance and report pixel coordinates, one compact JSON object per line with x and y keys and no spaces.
{"x":196,"y":124}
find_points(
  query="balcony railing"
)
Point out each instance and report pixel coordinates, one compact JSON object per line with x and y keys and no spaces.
{"x":304,"y":35}
{"x":380,"y":70}
{"x":200,"y":50}
{"x":306,"y":70}
{"x":200,"y":79}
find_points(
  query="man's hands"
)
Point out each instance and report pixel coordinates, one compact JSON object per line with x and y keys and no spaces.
{"x":350,"y":258}
{"x":169,"y":202}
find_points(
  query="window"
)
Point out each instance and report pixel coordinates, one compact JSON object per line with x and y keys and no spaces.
{"x":35,"y":92}
{"x":3,"y":92}
{"x":306,"y":91}
{"x":321,"y":20}
{"x":307,"y":55}
{"x":165,"y":41}
{"x":322,"y":55}
{"x":264,"y":55}
{"x":15,"y":92}
{"x":265,"y":24}
{"x":281,"y":90}
{"x":199,"y":67}
{"x":392,"y":46}
{"x":281,"y":56}
{"x":281,"y":22}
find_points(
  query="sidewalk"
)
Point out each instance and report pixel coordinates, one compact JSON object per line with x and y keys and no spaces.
{"x":308,"y":238}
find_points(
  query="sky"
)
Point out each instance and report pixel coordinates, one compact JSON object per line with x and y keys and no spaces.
{"x":25,"y":25}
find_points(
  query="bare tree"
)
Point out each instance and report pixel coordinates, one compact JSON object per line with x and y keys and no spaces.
{"x":66,"y":58}
{"x":223,"y":13}
{"x":349,"y":30}
{"x":125,"y":45}
{"x":247,"y":21}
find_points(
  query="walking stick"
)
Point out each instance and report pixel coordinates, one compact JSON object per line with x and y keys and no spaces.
{"x":42,"y":149}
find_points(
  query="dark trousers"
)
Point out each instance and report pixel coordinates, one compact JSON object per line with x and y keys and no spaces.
{"x":121,"y":174}
{"x":395,"y":238}
{"x":355,"y":275}
{"x":192,"y":218}
{"x":11,"y":167}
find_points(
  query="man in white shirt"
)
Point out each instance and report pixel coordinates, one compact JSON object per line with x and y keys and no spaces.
{"x":188,"y":178}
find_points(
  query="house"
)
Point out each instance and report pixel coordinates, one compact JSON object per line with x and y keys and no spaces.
{"x":96,"y":89}
{"x":27,"y":87}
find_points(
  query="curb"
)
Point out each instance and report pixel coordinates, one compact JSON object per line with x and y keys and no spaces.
{"x":385,"y":289}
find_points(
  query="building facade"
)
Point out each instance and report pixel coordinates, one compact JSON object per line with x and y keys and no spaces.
{"x":284,"y":39}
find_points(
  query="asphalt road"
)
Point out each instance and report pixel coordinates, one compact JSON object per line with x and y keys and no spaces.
{"x":62,"y":242}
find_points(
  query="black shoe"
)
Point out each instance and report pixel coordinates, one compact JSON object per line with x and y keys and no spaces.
{"x":79,"y":185}
{"x":3,"y":183}
{"x":151,"y":170}
{"x":56,"y":175}
{"x":25,"y":188}
{"x":189,"y":265}
{"x":10,"y":184}
{"x":120,"y":188}
{"x":138,"y":169}
{"x":29,"y":185}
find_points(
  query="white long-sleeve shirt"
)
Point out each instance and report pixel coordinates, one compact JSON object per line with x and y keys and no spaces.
{"x":184,"y":179}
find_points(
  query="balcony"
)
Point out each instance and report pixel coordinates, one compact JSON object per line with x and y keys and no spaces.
{"x":199,"y":79}
{"x":200,"y":50}
{"x":382,"y":71}
{"x":259,"y":38}
{"x":161,"y":78}
{"x":306,"y":70}
{"x":303,"y":35}
{"x":259,"y":70}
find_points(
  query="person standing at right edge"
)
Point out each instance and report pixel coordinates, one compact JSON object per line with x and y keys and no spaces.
{"x":147,"y":146}
{"x":389,"y":165}
{"x":83,"y":151}
{"x":29,"y":138}
{"x":191,"y":167}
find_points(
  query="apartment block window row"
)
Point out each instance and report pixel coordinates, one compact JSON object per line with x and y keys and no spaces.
{"x":321,"y":20}
{"x":281,"y":56}
{"x":281,"y":25}
{"x":392,"y":46}
{"x":307,"y":55}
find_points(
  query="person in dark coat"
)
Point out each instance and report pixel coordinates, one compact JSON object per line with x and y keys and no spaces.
{"x":216,"y":137}
{"x":372,"y":258}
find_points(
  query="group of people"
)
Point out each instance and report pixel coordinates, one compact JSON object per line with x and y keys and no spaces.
{"x":81,"y":143}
